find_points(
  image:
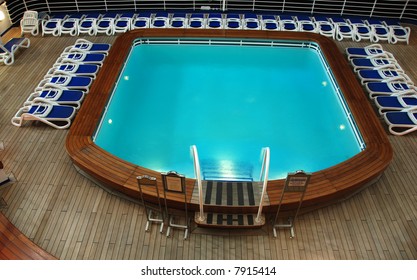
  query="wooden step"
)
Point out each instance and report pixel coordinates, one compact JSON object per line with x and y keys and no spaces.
{"x":229,"y":221}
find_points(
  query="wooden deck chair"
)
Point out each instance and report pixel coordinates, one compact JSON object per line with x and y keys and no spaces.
{"x":295,"y":183}
{"x":175,"y":183}
{"x":155,"y":213}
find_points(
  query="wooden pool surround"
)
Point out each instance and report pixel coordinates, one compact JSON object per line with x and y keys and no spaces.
{"x":326,"y":186}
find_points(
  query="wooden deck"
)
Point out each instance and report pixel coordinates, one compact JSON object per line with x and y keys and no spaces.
{"x":71,"y":218}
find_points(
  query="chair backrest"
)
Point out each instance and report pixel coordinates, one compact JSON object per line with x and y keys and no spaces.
{"x":30,"y":14}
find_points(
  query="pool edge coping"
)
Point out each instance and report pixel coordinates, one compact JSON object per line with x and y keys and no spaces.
{"x":327,"y":186}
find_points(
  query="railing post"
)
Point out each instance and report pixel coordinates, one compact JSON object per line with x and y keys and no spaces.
{"x":197,"y":171}
{"x":264,"y":174}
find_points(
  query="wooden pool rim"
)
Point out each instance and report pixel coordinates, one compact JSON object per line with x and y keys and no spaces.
{"x":326,"y":186}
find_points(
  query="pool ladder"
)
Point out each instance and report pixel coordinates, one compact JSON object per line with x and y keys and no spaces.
{"x":214,"y":213}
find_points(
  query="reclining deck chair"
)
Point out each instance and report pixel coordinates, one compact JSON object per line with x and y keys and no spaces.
{"x":8,"y":50}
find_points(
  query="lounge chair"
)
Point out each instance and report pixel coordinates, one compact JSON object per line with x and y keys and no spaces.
{"x":8,"y":50}
{"x":29,"y":23}
{"x":197,"y":21}
{"x":80,"y":57}
{"x":287,"y":23}
{"x":60,"y":96}
{"x":371,"y":51}
{"x":362,"y":31}
{"x":52,"y":25}
{"x":399,"y":33}
{"x":233,"y":21}
{"x":160,"y":20}
{"x":88,"y":25}
{"x":396,"y":103}
{"x":343,"y":29}
{"x":389,"y":89}
{"x":57,"y":116}
{"x":142,"y":20}
{"x":105,"y":24}
{"x":74,"y":69}
{"x":379,"y":31}
{"x":65,"y":82}
{"x":269,"y":22}
{"x":401,"y":123}
{"x":306,"y":24}
{"x":325,"y":26}
{"x":251,"y":22}
{"x":366,"y":75}
{"x":178,"y":20}
{"x":374,"y":63}
{"x":215,"y":21}
{"x":124,"y":22}
{"x":70,"y":24}
{"x":83,"y":45}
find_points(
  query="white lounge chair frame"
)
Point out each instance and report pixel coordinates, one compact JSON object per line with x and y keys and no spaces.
{"x":8,"y":56}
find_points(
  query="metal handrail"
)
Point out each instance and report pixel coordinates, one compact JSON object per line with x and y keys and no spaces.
{"x":197,"y":171}
{"x":399,"y":9}
{"x":263,"y":178}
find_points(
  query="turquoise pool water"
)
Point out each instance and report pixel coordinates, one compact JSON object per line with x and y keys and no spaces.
{"x":229,"y":101}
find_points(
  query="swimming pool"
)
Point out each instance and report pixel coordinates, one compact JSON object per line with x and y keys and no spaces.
{"x":326,"y":186}
{"x":230,"y":98}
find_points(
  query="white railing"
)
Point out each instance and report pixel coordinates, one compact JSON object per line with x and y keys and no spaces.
{"x":263,"y":178}
{"x":197,"y":171}
{"x":400,"y":9}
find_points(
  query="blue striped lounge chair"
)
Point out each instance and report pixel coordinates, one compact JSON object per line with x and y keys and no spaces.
{"x":215,"y":21}
{"x":65,"y":82}
{"x":142,"y":20}
{"x":88,"y":25}
{"x":105,"y":24}
{"x":374,"y":63}
{"x":269,"y":22}
{"x":178,"y":20}
{"x":124,"y":22}
{"x":251,"y":22}
{"x":380,"y":32}
{"x":287,"y":23}
{"x":233,"y":21}
{"x":374,"y":50}
{"x":366,"y":75}
{"x":75,"y":69}
{"x":70,"y":24}
{"x":160,"y":20}
{"x":197,"y":21}
{"x":52,"y":24}
{"x":83,"y":45}
{"x":325,"y":26}
{"x":53,"y":114}
{"x":399,"y":33}
{"x":389,"y":89}
{"x":8,"y":50}
{"x":343,"y":29}
{"x":396,"y":103}
{"x":362,"y":31}
{"x":306,"y":24}
{"x":60,"y":96}
{"x":401,"y":123}
{"x":80,"y":57}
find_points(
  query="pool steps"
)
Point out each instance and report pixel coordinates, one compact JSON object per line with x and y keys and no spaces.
{"x":241,"y":196}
